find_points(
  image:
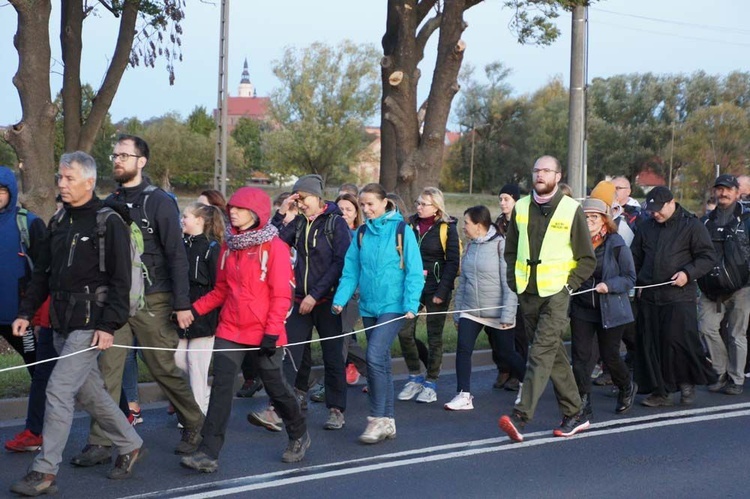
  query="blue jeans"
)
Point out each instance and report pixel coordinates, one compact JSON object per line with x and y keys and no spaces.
{"x":130,"y":374}
{"x":379,"y":377}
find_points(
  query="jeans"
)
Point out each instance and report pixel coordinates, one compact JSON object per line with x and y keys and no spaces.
{"x":45,"y":349}
{"x":379,"y":376}
{"x":435,"y":326}
{"x":130,"y":375}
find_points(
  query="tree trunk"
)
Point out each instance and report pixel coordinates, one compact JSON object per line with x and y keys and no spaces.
{"x":71,"y":27}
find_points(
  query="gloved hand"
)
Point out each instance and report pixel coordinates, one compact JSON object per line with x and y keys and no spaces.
{"x":268,"y":345}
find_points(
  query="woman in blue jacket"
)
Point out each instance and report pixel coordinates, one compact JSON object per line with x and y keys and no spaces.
{"x":605,"y":310}
{"x":384,"y":262}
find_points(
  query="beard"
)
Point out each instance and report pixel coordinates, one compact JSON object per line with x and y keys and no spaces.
{"x":125,"y":175}
{"x":544,"y":188}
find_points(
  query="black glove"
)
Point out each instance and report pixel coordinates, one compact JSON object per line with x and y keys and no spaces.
{"x":268,"y":345}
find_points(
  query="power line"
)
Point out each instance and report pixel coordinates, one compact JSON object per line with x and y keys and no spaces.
{"x":722,"y":29}
{"x":653,"y":32}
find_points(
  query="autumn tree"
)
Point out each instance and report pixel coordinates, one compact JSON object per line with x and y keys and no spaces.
{"x":199,"y":121}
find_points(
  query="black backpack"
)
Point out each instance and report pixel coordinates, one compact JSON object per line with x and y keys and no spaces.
{"x":730,"y":271}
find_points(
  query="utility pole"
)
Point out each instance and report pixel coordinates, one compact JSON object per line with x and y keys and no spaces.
{"x":577,"y":109}
{"x":220,"y":161}
{"x":671,"y":158}
{"x":471,"y":164}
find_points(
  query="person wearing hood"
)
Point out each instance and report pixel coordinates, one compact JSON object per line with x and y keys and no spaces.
{"x":385,"y":263}
{"x":252,"y":289}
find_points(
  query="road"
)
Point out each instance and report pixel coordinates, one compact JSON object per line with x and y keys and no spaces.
{"x":696,"y":451}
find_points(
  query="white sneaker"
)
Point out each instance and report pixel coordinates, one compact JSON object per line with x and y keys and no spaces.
{"x":378,"y":429}
{"x":428,"y":394}
{"x":518,"y":397}
{"x":412,"y":388}
{"x":461,"y":402}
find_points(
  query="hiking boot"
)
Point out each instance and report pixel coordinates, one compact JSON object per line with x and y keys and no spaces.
{"x":378,"y":429}
{"x":571,"y":425}
{"x":719,"y":385}
{"x":318,"y":394}
{"x":125,"y":462}
{"x":35,"y":484}
{"x":295,"y":451}
{"x":266,"y":418}
{"x":587,"y":410}
{"x":604,"y":379}
{"x":732,"y":389}
{"x":200,"y":461}
{"x":428,"y":393}
{"x":249,"y":388}
{"x":461,"y":402}
{"x":412,"y":387}
{"x":513,"y":385}
{"x":301,"y":397}
{"x":512,"y":425}
{"x":352,"y":374}
{"x":335,"y":420}
{"x":91,"y":455}
{"x":502,"y":378}
{"x":687,"y":394}
{"x":25,"y":441}
{"x":626,"y":398}
{"x":189,"y":442}
{"x":656,"y":400}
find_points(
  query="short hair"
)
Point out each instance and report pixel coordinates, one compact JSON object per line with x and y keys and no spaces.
{"x":279,"y":200}
{"x":565,"y":188}
{"x":622,"y":177}
{"x":141,"y":147}
{"x":215,"y":198}
{"x":438,"y":200}
{"x":350,"y":188}
{"x":84,"y":160}
{"x":479,"y":215}
{"x":558,"y":165}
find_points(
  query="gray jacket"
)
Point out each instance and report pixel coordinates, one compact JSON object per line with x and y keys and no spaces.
{"x":483,"y":283}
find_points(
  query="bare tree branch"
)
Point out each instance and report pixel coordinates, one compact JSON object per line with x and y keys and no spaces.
{"x":110,"y":8}
{"x":425,"y":33}
{"x":423,"y":8}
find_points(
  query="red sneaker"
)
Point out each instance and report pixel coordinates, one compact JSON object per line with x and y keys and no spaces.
{"x":24,"y":442}
{"x":352,"y":375}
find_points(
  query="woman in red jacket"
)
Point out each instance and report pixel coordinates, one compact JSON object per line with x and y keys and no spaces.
{"x":253,"y":290}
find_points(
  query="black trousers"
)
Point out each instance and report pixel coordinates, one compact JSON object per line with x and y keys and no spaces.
{"x":226,"y":367}
{"x":520,"y":342}
{"x":582,"y":336}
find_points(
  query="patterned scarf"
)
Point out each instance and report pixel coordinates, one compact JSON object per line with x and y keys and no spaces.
{"x":244,"y":240}
{"x":598,"y":238}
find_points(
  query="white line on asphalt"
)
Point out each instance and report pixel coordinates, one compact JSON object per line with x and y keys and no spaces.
{"x":281,"y":478}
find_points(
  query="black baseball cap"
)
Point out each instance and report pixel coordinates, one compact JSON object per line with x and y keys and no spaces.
{"x":727,"y":180}
{"x":657,"y":197}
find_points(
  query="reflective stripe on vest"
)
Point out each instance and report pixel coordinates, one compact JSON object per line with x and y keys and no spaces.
{"x":556,"y":255}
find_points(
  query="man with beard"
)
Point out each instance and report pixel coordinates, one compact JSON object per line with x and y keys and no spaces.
{"x":166,"y":294}
{"x":549,"y":254}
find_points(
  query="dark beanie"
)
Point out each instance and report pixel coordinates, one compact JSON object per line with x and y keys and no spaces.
{"x":309,"y":183}
{"x":512,"y":190}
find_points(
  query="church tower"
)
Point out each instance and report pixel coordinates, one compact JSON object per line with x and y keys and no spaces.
{"x":246,"y":88}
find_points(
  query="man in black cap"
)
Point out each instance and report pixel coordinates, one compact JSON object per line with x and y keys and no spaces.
{"x":726,"y":290}
{"x":671,"y":247}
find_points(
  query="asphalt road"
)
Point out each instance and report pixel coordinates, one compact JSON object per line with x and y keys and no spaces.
{"x":682,"y":452}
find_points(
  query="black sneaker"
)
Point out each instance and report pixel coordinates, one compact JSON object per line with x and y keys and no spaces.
{"x":125,"y":462}
{"x":295,"y":451}
{"x":512,"y":425}
{"x":91,"y":455}
{"x":571,"y":425}
{"x":626,"y":398}
{"x":200,"y":461}
{"x":249,"y":388}
{"x":603,"y":379}
{"x":656,"y":400}
{"x":35,"y":484}
{"x":189,"y":442}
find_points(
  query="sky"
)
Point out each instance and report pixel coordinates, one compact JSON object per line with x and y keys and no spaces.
{"x":625,"y":36}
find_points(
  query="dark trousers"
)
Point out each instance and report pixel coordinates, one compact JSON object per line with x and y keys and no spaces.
{"x":520,"y":340}
{"x":249,"y":368}
{"x":17,"y":343}
{"x":299,"y":328}
{"x":45,"y":349}
{"x":468,"y":331}
{"x":582,"y":336}
{"x":408,"y":341}
{"x":226,"y":367}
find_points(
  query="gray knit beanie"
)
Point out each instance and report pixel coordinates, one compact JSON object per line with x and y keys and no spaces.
{"x":309,"y":183}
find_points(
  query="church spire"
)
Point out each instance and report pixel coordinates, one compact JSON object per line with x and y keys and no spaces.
{"x":246,"y":88}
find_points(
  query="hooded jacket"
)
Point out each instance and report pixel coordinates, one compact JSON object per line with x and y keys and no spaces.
{"x":203,"y":259}
{"x":254,"y":298}
{"x":440,"y":266}
{"x":384,"y":287}
{"x":15,"y":271}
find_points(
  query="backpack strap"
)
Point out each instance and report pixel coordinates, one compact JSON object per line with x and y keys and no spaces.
{"x":444,"y":236}
{"x":101,"y":231}
{"x":360,"y":233}
{"x":145,"y":194}
{"x":400,"y":230}
{"x":329,"y":228}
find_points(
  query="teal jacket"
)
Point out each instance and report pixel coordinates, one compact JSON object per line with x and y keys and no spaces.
{"x":374,"y":267}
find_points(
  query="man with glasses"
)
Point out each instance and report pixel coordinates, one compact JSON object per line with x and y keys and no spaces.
{"x":166,"y":295}
{"x":549,"y":254}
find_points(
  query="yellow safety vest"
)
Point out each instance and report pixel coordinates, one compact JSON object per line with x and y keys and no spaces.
{"x":556,"y":256}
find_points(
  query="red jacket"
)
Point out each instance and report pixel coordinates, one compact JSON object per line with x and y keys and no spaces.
{"x":252,"y":304}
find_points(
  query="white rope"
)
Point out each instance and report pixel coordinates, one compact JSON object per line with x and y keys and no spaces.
{"x":636,"y":287}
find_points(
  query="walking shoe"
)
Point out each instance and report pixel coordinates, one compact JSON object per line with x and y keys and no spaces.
{"x":352,"y":374}
{"x":295,"y":451}
{"x":626,"y":398}
{"x":597,"y":371}
{"x":135,"y":417}
{"x":687,"y":394}
{"x":719,"y":385}
{"x":502,"y":378}
{"x":603,"y":379}
{"x":200,"y":461}
{"x":125,"y":462}
{"x":513,"y":385}
{"x":91,"y":455}
{"x":571,"y":425}
{"x":189,"y":442}
{"x":301,"y":397}
{"x":335,"y":420}
{"x":318,"y":393}
{"x":461,"y":402}
{"x":428,"y":393}
{"x":378,"y":429}
{"x":518,"y":397}
{"x":656,"y":400}
{"x":412,"y":387}
{"x":249,"y":388}
{"x":732,"y":389}
{"x":512,"y":425}
{"x":267,"y":418}
{"x":25,"y":441}
{"x":170,"y":409}
{"x":35,"y":484}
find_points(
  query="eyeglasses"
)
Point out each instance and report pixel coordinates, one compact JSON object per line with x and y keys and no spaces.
{"x":545,"y":171}
{"x":592,"y":216}
{"x":417,"y":204}
{"x":123,"y":156}
{"x":622,"y":188}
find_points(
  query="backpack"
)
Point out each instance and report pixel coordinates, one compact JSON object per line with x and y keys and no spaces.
{"x":399,"y":240}
{"x":22,"y":221}
{"x":730,"y":271}
{"x":328,"y":228}
{"x":444,"y":243}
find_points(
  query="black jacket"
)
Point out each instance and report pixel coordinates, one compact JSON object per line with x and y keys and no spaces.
{"x":203,"y":259}
{"x":660,"y":250}
{"x":69,"y":264}
{"x":440,"y":266}
{"x":163,"y":254}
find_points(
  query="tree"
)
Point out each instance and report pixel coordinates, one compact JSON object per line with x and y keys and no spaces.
{"x":327,"y":95}
{"x":148,"y":29}
{"x":247,"y":135}
{"x":200,"y":122}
